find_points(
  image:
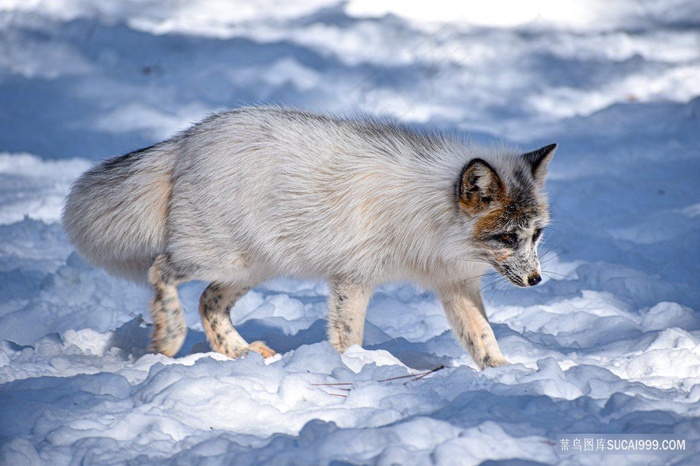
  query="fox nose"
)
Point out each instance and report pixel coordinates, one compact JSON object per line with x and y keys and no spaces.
{"x":533,"y":280}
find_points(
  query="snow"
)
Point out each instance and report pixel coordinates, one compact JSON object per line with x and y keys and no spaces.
{"x":607,"y":344}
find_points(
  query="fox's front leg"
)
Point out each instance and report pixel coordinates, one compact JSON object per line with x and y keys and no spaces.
{"x":347,"y":307}
{"x":465,"y":312}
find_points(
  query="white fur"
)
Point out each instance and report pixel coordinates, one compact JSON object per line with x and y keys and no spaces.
{"x":256,"y":193}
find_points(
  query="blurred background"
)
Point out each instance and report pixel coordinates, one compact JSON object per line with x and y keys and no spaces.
{"x":88,"y":79}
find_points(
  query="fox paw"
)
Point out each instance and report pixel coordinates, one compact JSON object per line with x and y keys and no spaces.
{"x":491,"y":361}
{"x":262,"y":348}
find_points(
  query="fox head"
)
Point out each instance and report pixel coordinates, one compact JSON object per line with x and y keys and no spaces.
{"x":509,"y":211}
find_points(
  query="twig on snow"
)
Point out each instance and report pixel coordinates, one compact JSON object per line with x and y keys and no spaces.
{"x":412,"y":377}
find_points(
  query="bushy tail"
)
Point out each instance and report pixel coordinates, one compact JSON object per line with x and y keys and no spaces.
{"x":116,"y":212}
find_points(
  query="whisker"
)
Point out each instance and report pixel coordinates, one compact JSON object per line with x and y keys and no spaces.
{"x":496,"y":290}
{"x":552,"y":278}
{"x":557,"y":222}
{"x":547,"y":272}
{"x":490,"y":277}
{"x":498,"y":280}
{"x":545,"y":239}
{"x":551,"y":249}
{"x":480,"y":277}
{"x":553,"y":257}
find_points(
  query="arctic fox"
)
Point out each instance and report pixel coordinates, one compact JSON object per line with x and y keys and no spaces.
{"x":255,"y":193}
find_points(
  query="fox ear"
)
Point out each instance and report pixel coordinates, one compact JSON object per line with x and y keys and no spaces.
{"x":479,"y":186}
{"x":538,"y":161}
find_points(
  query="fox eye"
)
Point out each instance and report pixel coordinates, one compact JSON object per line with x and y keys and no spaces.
{"x":537,"y":235}
{"x":506,"y":238}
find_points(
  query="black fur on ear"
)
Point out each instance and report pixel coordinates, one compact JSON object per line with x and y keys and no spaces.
{"x":479,"y":186}
{"x":539,"y":159}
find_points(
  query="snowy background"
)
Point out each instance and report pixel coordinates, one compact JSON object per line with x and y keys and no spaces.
{"x":607,"y":344}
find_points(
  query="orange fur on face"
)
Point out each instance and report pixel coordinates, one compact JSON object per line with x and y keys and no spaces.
{"x":488,"y":224}
{"x":502,"y":255}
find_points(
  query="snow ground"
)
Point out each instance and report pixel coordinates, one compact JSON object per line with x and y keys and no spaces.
{"x":607,"y":344}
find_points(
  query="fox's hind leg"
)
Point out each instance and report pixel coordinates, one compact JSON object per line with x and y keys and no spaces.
{"x":347,"y":307}
{"x":169,"y":323}
{"x":214,"y":307}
